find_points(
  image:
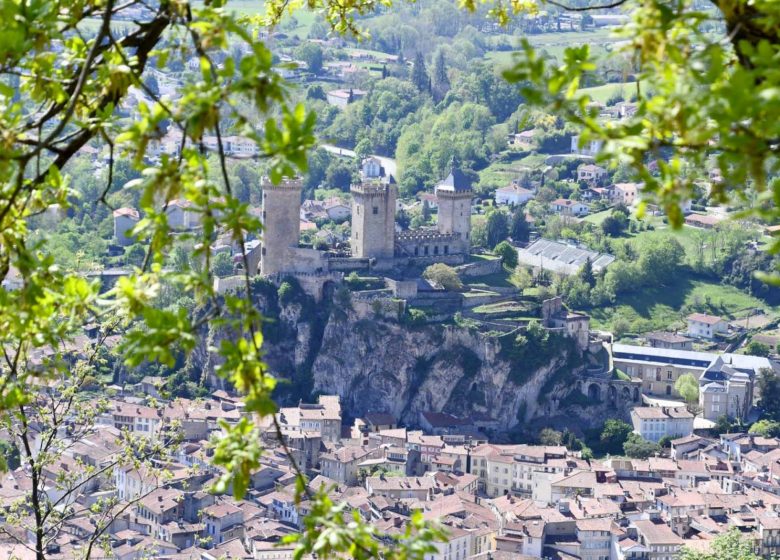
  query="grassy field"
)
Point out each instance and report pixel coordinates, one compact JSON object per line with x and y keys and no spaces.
{"x":501,"y":173}
{"x":554,"y":44}
{"x":605,"y":92}
{"x":662,"y":308}
{"x":598,"y":217}
{"x":685,"y":236}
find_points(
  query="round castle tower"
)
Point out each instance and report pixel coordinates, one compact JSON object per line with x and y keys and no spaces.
{"x":281,"y":224}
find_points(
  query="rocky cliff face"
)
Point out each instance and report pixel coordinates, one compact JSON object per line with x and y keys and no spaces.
{"x":381,"y":365}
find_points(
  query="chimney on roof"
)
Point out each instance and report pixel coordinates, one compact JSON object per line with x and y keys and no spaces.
{"x":159,"y":498}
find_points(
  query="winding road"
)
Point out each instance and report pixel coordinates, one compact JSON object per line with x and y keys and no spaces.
{"x":388,"y":163}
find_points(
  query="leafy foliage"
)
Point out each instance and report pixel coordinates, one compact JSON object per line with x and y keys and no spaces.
{"x":444,"y":276}
{"x":687,"y":387}
{"x":70,"y":89}
{"x":637,"y":447}
{"x":507,"y":253}
{"x":613,"y":435}
{"x":731,"y":545}
{"x":704,"y":100}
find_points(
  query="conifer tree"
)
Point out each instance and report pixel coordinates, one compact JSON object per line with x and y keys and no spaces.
{"x":519,"y":229}
{"x":441,"y":82}
{"x":420,"y":73}
{"x":586,"y":273}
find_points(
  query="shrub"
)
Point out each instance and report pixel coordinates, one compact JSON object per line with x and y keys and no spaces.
{"x":445,"y":276}
{"x":416,"y":317}
{"x":507,"y":253}
{"x":285,"y":293}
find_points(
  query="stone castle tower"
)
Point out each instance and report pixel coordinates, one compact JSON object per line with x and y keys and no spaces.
{"x":281,"y":225}
{"x":454,"y":195}
{"x":373,"y":220}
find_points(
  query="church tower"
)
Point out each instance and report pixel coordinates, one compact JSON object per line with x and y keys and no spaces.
{"x":281,"y":224}
{"x":454,"y":197}
{"x":373,"y":219}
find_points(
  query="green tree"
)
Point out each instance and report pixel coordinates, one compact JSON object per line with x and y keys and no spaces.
{"x":756,"y":348}
{"x":723,"y":425}
{"x":311,"y":54}
{"x":363,"y":149}
{"x":732,"y":545}
{"x":768,"y":387}
{"x":420,"y":77}
{"x":660,"y":261}
{"x":426,"y":212}
{"x":613,"y":435}
{"x":586,"y":273}
{"x":222,"y":264}
{"x":507,"y":253}
{"x":444,"y":276}
{"x":548,"y":436}
{"x":135,"y":254}
{"x":615,"y":224}
{"x":687,"y":387}
{"x":637,"y":447}
{"x":620,"y":327}
{"x":766,"y":428}
{"x":316,"y":92}
{"x":497,"y":227}
{"x":338,"y":175}
{"x":441,"y":82}
{"x":519,"y":229}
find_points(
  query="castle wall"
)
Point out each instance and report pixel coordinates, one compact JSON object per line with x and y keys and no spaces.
{"x":348,"y":264}
{"x":480,"y":268}
{"x":404,"y":289}
{"x":423,"y":244}
{"x":302,"y":259}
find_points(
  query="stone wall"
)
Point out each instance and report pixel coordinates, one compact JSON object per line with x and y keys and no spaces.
{"x":482,"y":267}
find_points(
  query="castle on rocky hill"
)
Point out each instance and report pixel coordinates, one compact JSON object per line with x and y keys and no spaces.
{"x":376,"y":243}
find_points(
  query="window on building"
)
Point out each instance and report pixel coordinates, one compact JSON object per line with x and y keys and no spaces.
{"x":416,"y":251}
{"x":436,"y":250}
{"x":426,"y":251}
{"x":375,"y":210}
{"x":446,"y":249}
{"x":668,"y":389}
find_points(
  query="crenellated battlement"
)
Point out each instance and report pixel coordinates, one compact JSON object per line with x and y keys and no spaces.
{"x":286,"y":184}
{"x":425,"y":235}
{"x":370,"y":189}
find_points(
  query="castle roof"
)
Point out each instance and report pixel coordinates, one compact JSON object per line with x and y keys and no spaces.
{"x":456,"y":181}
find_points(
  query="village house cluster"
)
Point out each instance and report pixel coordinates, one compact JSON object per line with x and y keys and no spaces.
{"x":495,"y":501}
